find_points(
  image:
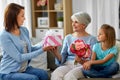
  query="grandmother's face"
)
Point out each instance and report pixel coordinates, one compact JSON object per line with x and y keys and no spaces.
{"x":77,"y":27}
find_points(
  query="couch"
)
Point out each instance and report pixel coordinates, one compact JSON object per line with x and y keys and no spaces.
{"x":47,"y":61}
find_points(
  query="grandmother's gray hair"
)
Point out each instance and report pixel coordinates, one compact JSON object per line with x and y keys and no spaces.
{"x":81,"y":17}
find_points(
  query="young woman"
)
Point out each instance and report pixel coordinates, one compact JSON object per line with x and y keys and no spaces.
{"x":67,"y":70}
{"x":17,"y":49}
{"x":103,"y":61}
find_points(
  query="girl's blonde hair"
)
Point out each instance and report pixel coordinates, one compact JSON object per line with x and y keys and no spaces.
{"x":110,"y":35}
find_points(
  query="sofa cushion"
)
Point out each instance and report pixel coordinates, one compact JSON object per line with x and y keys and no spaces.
{"x":118,"y":46}
{"x":40,"y":61}
{"x":118,"y":60}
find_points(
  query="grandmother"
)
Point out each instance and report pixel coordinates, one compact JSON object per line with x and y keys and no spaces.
{"x":65,"y":60}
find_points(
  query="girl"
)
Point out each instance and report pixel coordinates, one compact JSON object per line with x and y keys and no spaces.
{"x":102,"y":63}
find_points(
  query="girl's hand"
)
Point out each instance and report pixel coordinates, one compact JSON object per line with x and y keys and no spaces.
{"x":87,"y":65}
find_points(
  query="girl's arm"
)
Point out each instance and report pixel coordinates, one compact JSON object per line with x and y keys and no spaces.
{"x":104,"y":60}
{"x":88,"y":64}
{"x":93,"y":56}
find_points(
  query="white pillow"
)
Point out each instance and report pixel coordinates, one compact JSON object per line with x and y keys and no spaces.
{"x":40,"y":61}
{"x":118,"y":60}
{"x":116,"y":75}
{"x":118,"y":46}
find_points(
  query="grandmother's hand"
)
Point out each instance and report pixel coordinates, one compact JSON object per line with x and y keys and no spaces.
{"x":48,"y":48}
{"x":55,"y":50}
{"x":79,"y":60}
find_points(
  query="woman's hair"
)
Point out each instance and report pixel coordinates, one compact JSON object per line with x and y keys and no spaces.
{"x":10,"y":16}
{"x":81,"y":17}
{"x":110,"y":35}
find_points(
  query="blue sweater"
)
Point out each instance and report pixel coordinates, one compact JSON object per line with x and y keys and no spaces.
{"x":66,"y":54}
{"x":12,"y":50}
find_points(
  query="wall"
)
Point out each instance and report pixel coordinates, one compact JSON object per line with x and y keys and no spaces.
{"x":78,"y":5}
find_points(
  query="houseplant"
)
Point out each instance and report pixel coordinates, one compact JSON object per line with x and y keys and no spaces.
{"x":60,"y":22}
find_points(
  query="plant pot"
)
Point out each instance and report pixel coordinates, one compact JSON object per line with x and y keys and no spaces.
{"x":60,"y":24}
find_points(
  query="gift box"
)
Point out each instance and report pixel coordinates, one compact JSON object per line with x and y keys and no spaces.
{"x":52,"y":40}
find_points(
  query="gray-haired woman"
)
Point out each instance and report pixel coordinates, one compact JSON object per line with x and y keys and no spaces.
{"x":67,"y":70}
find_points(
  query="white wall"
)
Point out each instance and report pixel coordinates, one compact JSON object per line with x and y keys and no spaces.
{"x":78,"y":5}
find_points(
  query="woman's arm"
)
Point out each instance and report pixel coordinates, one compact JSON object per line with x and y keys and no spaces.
{"x":61,"y":57}
{"x":12,"y":50}
{"x":36,"y":47}
{"x":57,"y":54}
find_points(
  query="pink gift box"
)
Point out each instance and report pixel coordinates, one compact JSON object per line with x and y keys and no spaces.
{"x":53,"y":40}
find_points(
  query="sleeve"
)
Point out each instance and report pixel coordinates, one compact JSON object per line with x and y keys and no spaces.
{"x":36,"y":47}
{"x":93,"y":41}
{"x":114,"y":50}
{"x":94,"y":47}
{"x":63,"y":53}
{"x":33,"y":47}
{"x":10,"y":49}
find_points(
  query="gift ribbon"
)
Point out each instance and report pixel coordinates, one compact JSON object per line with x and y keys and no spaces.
{"x":53,"y":41}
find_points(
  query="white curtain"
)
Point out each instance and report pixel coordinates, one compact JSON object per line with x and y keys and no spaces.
{"x":25,"y":3}
{"x":102,"y":12}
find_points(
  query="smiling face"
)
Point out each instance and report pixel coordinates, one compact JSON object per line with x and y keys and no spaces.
{"x":13,"y":17}
{"x":77,"y":27}
{"x":20,"y":17}
{"x":101,"y":35}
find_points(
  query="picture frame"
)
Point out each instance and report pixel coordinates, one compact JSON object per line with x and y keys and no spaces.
{"x":43,"y":22}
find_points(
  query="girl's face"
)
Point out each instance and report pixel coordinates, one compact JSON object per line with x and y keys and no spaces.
{"x":20,"y":17}
{"x":101,"y":35}
{"x":77,"y":27}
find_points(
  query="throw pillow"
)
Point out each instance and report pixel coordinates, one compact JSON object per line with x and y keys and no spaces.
{"x":118,"y":46}
{"x":40,"y":61}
